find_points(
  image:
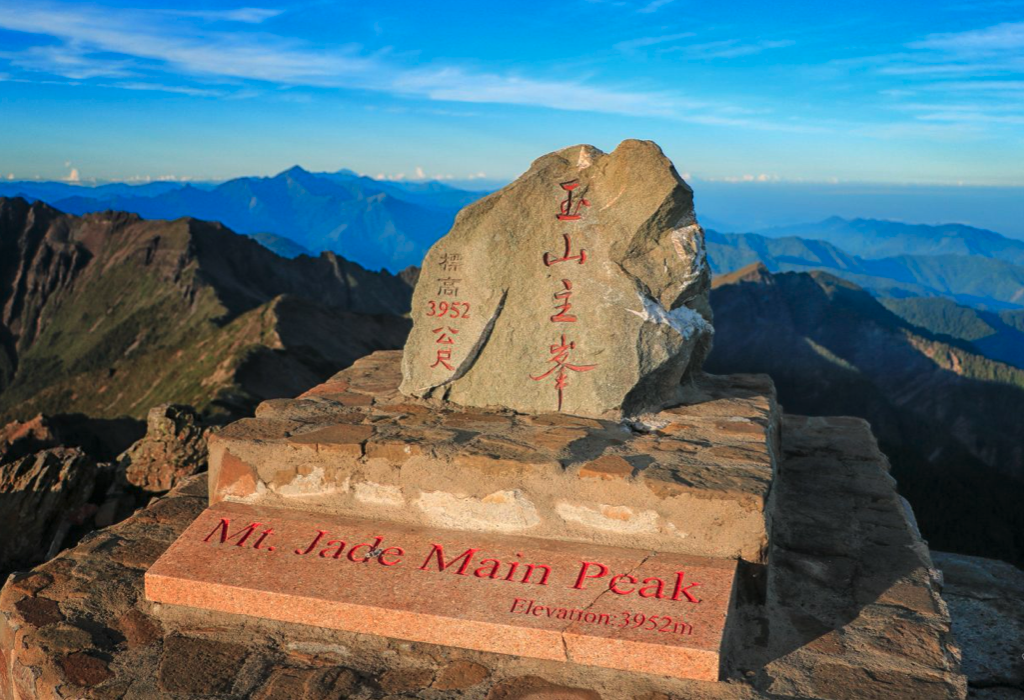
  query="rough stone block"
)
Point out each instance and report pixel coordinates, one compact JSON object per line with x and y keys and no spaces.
{"x":693,"y":479}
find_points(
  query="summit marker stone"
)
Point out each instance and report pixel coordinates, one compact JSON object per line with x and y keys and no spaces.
{"x":582,"y":287}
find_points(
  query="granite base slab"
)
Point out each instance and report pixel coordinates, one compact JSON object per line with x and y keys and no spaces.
{"x":628,"y":609}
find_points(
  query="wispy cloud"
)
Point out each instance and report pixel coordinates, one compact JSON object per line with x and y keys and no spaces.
{"x":729,"y":48}
{"x":988,"y":51}
{"x":990,"y":41}
{"x":654,"y":6}
{"x":141,"y":48}
{"x":646,"y":41}
{"x":973,"y":81}
{"x":246,"y":15}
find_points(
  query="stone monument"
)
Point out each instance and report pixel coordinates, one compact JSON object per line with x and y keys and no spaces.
{"x":544,"y":472}
{"x":581,"y":287}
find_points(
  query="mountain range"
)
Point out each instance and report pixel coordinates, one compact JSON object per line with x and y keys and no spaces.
{"x":108,"y":315}
{"x":378,"y":224}
{"x":974,"y":280}
{"x":871,"y":238}
{"x":947,"y":417}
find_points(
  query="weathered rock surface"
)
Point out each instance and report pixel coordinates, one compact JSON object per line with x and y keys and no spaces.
{"x":41,"y":496}
{"x":986,"y":601}
{"x":174,"y":447}
{"x":21,"y":438}
{"x":102,"y":439}
{"x":580,"y":287}
{"x":859,"y":616}
{"x":693,"y":479}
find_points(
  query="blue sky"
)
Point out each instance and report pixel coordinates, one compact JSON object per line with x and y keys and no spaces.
{"x":883,"y":92}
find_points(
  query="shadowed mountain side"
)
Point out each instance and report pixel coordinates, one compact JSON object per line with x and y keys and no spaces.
{"x":108,"y":314}
{"x":947,"y":418}
{"x":971,"y":280}
{"x":994,"y":335}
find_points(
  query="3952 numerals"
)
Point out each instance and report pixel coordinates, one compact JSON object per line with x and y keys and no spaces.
{"x":659,"y":623}
{"x":444,"y":309}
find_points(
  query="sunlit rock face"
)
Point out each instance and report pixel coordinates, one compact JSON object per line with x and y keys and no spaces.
{"x":581,"y":287}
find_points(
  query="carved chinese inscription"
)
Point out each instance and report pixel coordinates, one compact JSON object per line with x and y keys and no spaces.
{"x":569,"y":210}
{"x":442,"y":308}
{"x":589,"y":271}
{"x":560,"y":360}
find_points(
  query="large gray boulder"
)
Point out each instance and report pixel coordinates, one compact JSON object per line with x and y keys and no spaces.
{"x":581,"y":287}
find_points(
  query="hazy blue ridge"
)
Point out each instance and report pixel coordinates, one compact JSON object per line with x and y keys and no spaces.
{"x":972,"y":280}
{"x":377,"y":224}
{"x":285,"y":247}
{"x":871,"y":238}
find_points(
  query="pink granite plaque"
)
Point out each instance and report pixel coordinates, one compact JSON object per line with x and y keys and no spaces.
{"x":568,"y":601}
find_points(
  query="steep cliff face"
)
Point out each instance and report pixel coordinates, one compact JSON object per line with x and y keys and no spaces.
{"x":109,"y":314}
{"x":947,"y":417}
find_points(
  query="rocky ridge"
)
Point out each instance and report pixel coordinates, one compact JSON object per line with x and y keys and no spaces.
{"x":946,"y":417}
{"x":109,"y":314}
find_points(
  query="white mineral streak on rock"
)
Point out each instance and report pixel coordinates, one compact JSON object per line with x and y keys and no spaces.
{"x":379,"y":494}
{"x":501,"y":511}
{"x":673,"y":530}
{"x":684,"y":320}
{"x":258,"y":494}
{"x":689,"y":244}
{"x":614,"y":199}
{"x":606,"y":517}
{"x":318,"y":648}
{"x":584,"y":160}
{"x":310,"y":484}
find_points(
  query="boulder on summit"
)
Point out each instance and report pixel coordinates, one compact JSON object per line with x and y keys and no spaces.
{"x":581,"y":287}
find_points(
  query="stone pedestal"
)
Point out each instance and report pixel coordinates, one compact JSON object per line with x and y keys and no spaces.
{"x":694,"y":479}
{"x":552,"y":536}
{"x":853,"y":611}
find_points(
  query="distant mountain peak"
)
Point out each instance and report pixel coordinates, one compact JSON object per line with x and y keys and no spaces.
{"x":294,"y":171}
{"x":757,"y":273}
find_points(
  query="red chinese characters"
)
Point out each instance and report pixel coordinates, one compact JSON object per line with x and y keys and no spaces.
{"x":570,"y":208}
{"x":561,"y":352}
{"x":444,"y":355}
{"x":581,"y":257}
{"x":447,"y":287}
{"x":563,"y":315}
{"x":561,"y":365}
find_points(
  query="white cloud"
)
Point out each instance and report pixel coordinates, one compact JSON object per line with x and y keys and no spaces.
{"x":654,"y":6}
{"x":73,"y":175}
{"x":645,"y":41}
{"x":143,"y":45}
{"x":246,"y":15}
{"x":995,"y":40}
{"x":729,"y":48}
